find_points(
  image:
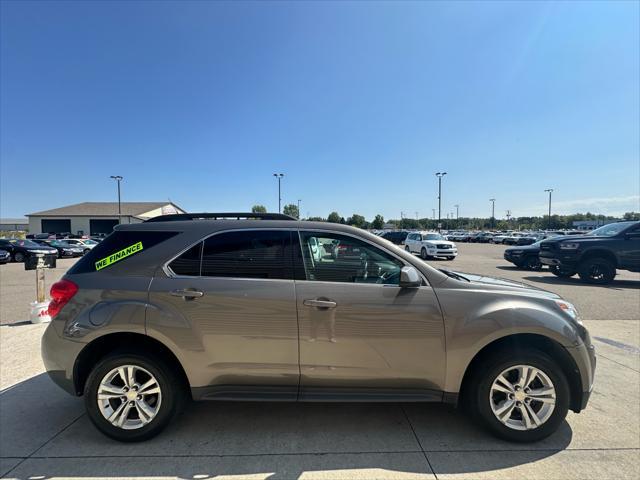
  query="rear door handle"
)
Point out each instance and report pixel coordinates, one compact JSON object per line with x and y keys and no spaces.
{"x":319,"y":303}
{"x":187,"y":294}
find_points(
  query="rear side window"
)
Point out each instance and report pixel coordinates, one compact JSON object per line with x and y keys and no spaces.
{"x":117,"y":248}
{"x":248,"y":254}
{"x":188,"y":264}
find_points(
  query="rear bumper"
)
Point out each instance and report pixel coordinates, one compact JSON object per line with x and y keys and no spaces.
{"x":58,"y":356}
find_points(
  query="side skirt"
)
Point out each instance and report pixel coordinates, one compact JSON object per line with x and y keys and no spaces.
{"x":318,"y":394}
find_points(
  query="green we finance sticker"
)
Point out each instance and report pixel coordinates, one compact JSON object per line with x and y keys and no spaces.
{"x":116,"y":257}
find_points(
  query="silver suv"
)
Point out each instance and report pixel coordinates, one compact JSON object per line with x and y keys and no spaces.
{"x":265,"y":307}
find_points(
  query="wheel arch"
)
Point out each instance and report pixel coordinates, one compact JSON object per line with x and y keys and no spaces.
{"x":97,"y":349}
{"x":527,"y":341}
{"x":600,"y":253}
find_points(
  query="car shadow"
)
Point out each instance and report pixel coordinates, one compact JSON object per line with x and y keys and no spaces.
{"x":553,"y":280}
{"x":49,"y":429}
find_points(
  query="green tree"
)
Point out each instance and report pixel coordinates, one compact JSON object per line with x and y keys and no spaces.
{"x":357,"y":220}
{"x":291,"y":210}
{"x":258,"y":209}
{"x":334,"y":217}
{"x":378,"y":222}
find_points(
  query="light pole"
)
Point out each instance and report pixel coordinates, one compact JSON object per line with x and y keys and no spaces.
{"x":299,"y":208}
{"x":457,"y":211}
{"x":118,"y":179}
{"x":440,"y":175}
{"x":550,"y":190}
{"x":279,"y":177}
{"x":493,"y":211}
{"x":433,"y":210}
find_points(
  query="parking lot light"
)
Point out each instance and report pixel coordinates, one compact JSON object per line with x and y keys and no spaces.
{"x":118,"y":179}
{"x":440,"y":175}
{"x":550,"y":191}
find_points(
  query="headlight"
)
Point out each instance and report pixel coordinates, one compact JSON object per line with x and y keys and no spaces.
{"x":569,"y":309}
{"x":569,"y":246}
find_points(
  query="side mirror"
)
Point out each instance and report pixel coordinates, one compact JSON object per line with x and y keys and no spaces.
{"x":409,"y":278}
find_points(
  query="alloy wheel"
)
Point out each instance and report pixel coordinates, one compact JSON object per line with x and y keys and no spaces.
{"x":129,"y":397}
{"x":522,"y":397}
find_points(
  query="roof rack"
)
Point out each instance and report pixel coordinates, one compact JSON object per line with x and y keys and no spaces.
{"x":216,"y":216}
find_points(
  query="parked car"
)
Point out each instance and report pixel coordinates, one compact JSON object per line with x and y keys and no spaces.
{"x":500,"y":237}
{"x":40,"y":236}
{"x":19,"y":249}
{"x":170,"y":308}
{"x":85,"y":244}
{"x":63,"y":248}
{"x":524,"y":256}
{"x":430,"y":245}
{"x":397,"y":237}
{"x":596,"y":255}
{"x":4,"y":257}
{"x":484,"y":237}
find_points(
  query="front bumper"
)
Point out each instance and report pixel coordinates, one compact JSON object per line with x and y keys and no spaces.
{"x":584,"y":356}
{"x":568,"y":260}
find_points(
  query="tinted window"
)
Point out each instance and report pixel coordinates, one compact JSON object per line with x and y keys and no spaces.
{"x":188,"y":263}
{"x":331,"y":257}
{"x":247,"y":254}
{"x":113,"y":249}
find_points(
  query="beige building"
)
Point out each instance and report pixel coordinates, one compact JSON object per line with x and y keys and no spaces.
{"x":91,"y":218}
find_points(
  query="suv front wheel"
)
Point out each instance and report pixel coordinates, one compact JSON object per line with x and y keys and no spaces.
{"x":521,"y":397}
{"x":130,"y":397}
{"x":597,"y":270}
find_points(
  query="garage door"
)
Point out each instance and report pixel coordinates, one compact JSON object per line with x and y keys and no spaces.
{"x":102,"y":226}
{"x":56,"y":226}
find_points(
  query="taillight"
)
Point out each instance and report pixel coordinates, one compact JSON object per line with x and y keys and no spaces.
{"x":61,"y":292}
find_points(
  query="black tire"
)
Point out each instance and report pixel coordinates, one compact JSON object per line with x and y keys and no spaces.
{"x":597,"y":270}
{"x":562,"y":272}
{"x":423,"y":254}
{"x":406,"y":247}
{"x":18,"y":257}
{"x":450,"y":258}
{"x":479,"y":389}
{"x":171,"y":387}
{"x":532,"y":262}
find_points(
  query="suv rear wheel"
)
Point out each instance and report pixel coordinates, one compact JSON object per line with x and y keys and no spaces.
{"x":597,"y":270}
{"x":130,"y":397}
{"x":521,"y":397}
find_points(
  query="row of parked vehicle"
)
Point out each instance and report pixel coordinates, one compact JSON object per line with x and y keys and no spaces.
{"x":18,"y":249}
{"x":509,"y":237}
{"x":594,"y":256}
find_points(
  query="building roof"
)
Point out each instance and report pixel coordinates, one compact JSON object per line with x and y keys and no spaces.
{"x":103,"y":209}
{"x":14,"y":221}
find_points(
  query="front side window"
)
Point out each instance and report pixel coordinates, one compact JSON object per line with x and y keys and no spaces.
{"x":247,"y":254}
{"x":329,"y":257}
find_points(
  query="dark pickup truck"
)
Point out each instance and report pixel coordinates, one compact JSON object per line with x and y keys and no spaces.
{"x":596,"y":255}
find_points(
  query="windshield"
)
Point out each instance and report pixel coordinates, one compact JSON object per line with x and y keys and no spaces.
{"x":611,"y":230}
{"x":89,"y":242}
{"x":432,"y":236}
{"x":25,"y":243}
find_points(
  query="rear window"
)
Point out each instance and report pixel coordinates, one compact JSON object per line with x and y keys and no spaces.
{"x":246,"y":254}
{"x":117,"y":248}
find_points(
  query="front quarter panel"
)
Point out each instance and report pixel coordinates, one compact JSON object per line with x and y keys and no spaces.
{"x":475,"y":317}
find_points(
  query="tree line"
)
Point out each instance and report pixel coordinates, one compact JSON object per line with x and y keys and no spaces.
{"x":559,"y":222}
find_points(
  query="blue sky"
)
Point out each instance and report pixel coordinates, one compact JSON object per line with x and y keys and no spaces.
{"x":359,"y":104}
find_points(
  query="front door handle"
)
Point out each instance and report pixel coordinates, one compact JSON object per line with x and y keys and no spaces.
{"x":319,"y":303}
{"x":187,"y":294}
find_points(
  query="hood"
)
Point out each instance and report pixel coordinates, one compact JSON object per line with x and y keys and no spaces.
{"x":526,"y":248}
{"x":502,"y":283}
{"x":438,"y":242}
{"x":570,"y":238}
